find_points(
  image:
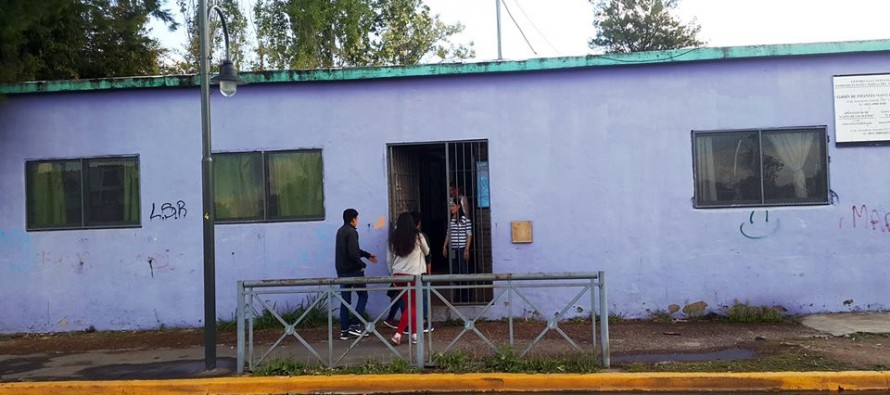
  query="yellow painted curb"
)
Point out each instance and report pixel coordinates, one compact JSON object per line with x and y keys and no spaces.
{"x":407,"y":383}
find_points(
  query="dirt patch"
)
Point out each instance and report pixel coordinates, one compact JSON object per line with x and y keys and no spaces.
{"x":629,"y":337}
{"x":864,"y":351}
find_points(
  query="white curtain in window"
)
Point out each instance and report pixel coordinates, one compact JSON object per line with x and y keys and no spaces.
{"x":794,"y":149}
{"x":706,"y":174}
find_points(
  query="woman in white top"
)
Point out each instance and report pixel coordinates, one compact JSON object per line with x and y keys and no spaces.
{"x":408,"y":249}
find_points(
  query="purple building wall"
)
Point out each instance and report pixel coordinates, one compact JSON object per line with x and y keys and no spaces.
{"x":599,"y":158}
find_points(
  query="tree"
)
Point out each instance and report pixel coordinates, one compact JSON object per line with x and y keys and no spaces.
{"x":236,"y":24}
{"x":308,"y":34}
{"x":72,"y":39}
{"x":640,"y":25}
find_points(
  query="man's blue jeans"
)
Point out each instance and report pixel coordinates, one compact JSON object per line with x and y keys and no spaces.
{"x":346,"y":294}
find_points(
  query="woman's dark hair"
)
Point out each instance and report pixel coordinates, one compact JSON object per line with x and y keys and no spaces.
{"x":460,"y":209}
{"x":415,"y":215}
{"x":404,"y":236}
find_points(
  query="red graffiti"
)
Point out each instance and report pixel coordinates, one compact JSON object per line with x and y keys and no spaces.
{"x":864,"y":217}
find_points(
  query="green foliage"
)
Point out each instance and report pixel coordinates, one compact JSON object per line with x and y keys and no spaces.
{"x":283,"y":367}
{"x":309,"y":34}
{"x":453,"y":362}
{"x":75,"y":39}
{"x":792,"y":362}
{"x":236,"y":25}
{"x":614,"y":317}
{"x":744,"y":312}
{"x":224,"y":325}
{"x":316,"y":317}
{"x":288,"y":367}
{"x":661,"y":316}
{"x":640,"y":25}
{"x":451,"y":322}
{"x":374,"y":367}
{"x":506,"y":360}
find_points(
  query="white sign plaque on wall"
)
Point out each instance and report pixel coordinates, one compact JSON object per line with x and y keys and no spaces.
{"x":862,"y":108}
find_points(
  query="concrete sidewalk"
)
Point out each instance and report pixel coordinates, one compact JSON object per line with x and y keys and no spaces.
{"x":165,"y":369}
{"x":843,"y":324}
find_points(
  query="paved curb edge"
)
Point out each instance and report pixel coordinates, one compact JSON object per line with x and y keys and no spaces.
{"x":412,"y":383}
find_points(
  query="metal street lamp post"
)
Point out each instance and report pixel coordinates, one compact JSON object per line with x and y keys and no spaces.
{"x":228,"y":84}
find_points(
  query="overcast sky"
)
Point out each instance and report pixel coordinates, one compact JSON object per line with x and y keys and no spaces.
{"x":563,"y":27}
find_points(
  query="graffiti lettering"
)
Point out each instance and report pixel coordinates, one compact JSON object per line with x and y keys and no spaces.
{"x":168,"y":211}
{"x":862,"y":216}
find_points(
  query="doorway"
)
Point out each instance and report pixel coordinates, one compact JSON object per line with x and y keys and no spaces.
{"x":420,"y":176}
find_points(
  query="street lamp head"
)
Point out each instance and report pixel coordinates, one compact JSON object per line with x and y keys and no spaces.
{"x":228,"y":79}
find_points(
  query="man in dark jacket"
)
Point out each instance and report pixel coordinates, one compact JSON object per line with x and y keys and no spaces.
{"x":348,"y":260}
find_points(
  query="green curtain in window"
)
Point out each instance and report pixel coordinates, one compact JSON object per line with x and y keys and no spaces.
{"x":238,"y":186}
{"x":295,"y":184}
{"x":47,"y":196}
{"x":131,"y":193}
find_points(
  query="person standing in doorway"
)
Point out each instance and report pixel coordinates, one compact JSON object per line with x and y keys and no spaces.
{"x":408,"y":249}
{"x":455,"y":192}
{"x":458,"y":240}
{"x":348,"y":260}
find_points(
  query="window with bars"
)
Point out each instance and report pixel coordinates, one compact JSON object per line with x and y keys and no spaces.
{"x":82,"y":193}
{"x":268,"y":186}
{"x":760,"y":167}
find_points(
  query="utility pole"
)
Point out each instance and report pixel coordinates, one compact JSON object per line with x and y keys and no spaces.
{"x":497,"y":5}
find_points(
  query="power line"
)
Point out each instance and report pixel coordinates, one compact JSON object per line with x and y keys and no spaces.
{"x":536,"y":28}
{"x":517,"y":26}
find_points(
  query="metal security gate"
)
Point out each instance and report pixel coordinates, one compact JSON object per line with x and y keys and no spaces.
{"x":424,"y":177}
{"x":468,"y":178}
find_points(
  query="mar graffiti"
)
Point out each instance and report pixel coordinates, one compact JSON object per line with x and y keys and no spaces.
{"x":862,"y":217}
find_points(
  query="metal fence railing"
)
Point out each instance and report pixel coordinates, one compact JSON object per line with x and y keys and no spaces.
{"x":507,"y":292}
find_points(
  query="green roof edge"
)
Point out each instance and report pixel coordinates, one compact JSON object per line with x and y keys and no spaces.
{"x":443,"y":69}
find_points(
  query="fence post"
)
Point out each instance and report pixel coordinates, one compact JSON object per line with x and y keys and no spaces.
{"x":594,"y":286}
{"x":418,"y":303}
{"x":604,"y":318}
{"x":240,"y":317}
{"x":510,"y":310}
{"x":332,"y":298}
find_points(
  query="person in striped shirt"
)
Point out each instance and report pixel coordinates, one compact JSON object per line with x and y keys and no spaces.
{"x":458,"y":240}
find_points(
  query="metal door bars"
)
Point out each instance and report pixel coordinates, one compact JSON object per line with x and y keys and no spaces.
{"x":326,"y":292}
